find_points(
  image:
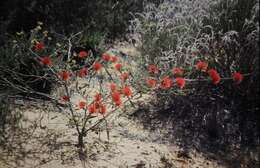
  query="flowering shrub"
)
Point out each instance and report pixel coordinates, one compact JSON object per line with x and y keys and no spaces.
{"x":98,"y":103}
{"x":107,"y":72}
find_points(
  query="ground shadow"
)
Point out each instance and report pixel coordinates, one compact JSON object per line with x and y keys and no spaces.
{"x":218,"y":127}
{"x":34,"y":145}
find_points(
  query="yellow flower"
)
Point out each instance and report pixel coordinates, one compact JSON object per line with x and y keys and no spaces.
{"x":38,"y":28}
{"x":39,"y":23}
{"x":34,"y":41}
{"x":58,"y":44}
{"x":45,"y":33}
{"x":20,"y":33}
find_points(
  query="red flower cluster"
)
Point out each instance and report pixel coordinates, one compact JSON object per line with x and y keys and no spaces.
{"x":177,"y":71}
{"x":237,"y":77}
{"x":97,"y":66}
{"x":118,"y":67}
{"x":126,"y":90}
{"x":106,"y":57}
{"x":92,"y":108}
{"x":39,"y":46}
{"x":151,"y":82}
{"x":82,"y":104}
{"x":153,"y":69}
{"x":113,"y":87}
{"x":46,"y":61}
{"x":114,"y":59}
{"x":115,"y":94}
{"x":103,"y":109}
{"x":64,"y":75}
{"x":202,"y":66}
{"x":116,"y":97}
{"x":98,"y":97}
{"x":214,"y":76}
{"x":83,"y":54}
{"x":166,"y":83}
{"x":124,"y":76}
{"x":180,"y":82}
{"x":65,"y":98}
{"x":97,"y":105}
{"x":83,"y":72}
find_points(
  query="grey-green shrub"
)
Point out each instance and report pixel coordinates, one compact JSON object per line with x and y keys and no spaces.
{"x":225,"y":33}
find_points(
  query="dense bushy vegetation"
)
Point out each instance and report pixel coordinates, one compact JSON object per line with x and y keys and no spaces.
{"x":108,"y":17}
{"x":223,"y":33}
{"x":98,"y":22}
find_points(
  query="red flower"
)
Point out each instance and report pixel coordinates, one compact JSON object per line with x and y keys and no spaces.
{"x":82,"y":104}
{"x":39,"y":46}
{"x":124,"y":76}
{"x":237,"y":77}
{"x":177,"y":71}
{"x":98,"y":97}
{"x":127,"y":91}
{"x":103,"y":109}
{"x":106,"y":57}
{"x":151,"y":82}
{"x":180,"y":82}
{"x":92,"y":108}
{"x":83,"y":72}
{"x":114,"y":59}
{"x":118,"y":103}
{"x":202,"y":66}
{"x":65,"y":98}
{"x":65,"y":75}
{"x":113,"y":87}
{"x":166,"y":83}
{"x":83,"y":54}
{"x":116,"y":98}
{"x":118,"y":67}
{"x":46,"y":61}
{"x":97,"y":66}
{"x":153,"y":69}
{"x":214,"y":76}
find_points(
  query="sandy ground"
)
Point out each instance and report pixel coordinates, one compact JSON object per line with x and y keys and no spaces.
{"x":51,"y":145}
